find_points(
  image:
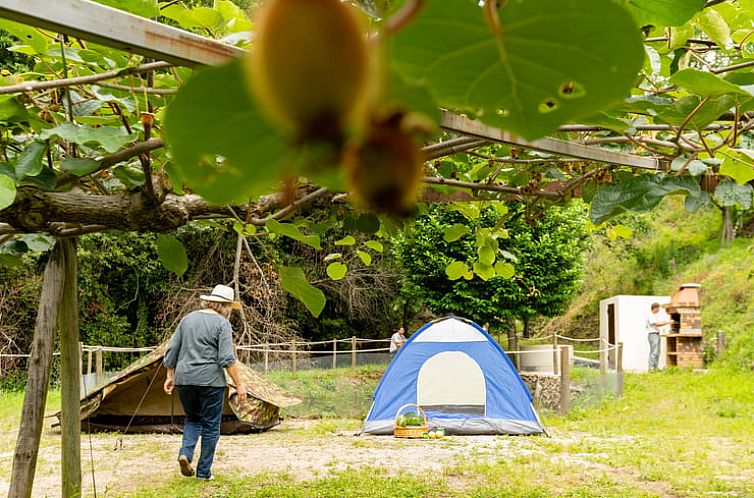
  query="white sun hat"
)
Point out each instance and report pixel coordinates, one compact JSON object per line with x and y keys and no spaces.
{"x":222,"y":294}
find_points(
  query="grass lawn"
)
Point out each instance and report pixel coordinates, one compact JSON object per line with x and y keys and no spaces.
{"x":674,"y":434}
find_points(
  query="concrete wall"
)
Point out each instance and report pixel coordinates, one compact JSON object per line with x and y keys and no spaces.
{"x":630,"y":314}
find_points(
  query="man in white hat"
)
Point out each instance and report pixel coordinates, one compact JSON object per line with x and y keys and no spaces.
{"x":201,"y":347}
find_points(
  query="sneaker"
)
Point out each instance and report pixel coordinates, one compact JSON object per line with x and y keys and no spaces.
{"x":210,"y":478}
{"x":186,"y":469}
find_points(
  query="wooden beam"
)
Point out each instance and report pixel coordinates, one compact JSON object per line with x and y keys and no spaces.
{"x":40,"y":364}
{"x":115,"y":28}
{"x":70,"y":374}
{"x":465,"y":126}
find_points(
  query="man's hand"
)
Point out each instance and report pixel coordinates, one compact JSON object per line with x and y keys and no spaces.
{"x":241,"y":393}
{"x":168,"y":386}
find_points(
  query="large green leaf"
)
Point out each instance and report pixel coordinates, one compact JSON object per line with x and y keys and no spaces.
{"x":484,"y":270}
{"x":365,"y":257}
{"x":738,"y":166}
{"x":551,"y":62}
{"x":639,"y":194}
{"x":110,"y":138}
{"x":12,"y":110}
{"x":374,"y":245}
{"x":172,"y":254}
{"x":456,"y":270}
{"x":455,"y":232}
{"x":235,"y":18}
{"x":705,"y":84}
{"x":29,"y":162}
{"x":293,"y":280}
{"x":198,"y":17}
{"x":504,"y":270}
{"x":7,"y":191}
{"x":337,"y":270}
{"x":27,"y":34}
{"x":664,"y":12}
{"x":714,"y":24}
{"x":144,"y":8}
{"x":733,"y":194}
{"x":213,"y":115}
{"x":678,"y":112}
{"x":348,"y":240}
{"x":38,"y":242}
{"x":292,"y":231}
{"x":79,"y":166}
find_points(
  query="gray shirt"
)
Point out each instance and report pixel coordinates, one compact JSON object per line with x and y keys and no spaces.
{"x":201,"y":347}
{"x":651,"y":321}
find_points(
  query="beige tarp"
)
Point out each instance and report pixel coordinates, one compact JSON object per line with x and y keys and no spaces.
{"x":134,"y":398}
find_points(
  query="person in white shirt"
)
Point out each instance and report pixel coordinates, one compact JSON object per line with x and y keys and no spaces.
{"x":397,"y":340}
{"x":653,"y":323}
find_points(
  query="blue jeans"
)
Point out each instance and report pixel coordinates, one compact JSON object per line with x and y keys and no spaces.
{"x":204,"y":410}
{"x":654,"y":350}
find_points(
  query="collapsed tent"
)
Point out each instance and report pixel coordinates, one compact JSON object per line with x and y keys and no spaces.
{"x":460,"y":377}
{"x":134,"y":399}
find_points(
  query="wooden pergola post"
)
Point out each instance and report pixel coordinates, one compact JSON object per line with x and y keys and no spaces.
{"x":70,"y":390}
{"x":40,"y":364}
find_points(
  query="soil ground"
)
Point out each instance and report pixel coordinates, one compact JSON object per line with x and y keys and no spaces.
{"x":300,"y":448}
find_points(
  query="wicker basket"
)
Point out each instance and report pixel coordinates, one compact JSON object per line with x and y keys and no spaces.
{"x":413,"y":431}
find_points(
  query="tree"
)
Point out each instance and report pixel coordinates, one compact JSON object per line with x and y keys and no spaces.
{"x":546,"y":253}
{"x":80,"y":153}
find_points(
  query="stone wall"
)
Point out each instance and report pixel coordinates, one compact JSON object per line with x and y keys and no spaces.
{"x":544,"y":388}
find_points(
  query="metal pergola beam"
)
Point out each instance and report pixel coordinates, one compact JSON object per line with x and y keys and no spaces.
{"x":124,"y":31}
{"x":465,"y":126}
{"x":118,"y":29}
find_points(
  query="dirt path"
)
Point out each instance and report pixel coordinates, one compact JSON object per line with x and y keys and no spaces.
{"x":299,"y":448}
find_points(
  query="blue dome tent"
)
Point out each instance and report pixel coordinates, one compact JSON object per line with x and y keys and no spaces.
{"x":461,"y":378}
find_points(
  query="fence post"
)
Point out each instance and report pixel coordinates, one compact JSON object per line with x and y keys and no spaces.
{"x":604,"y":346}
{"x":565,"y":379}
{"x":720,"y":343}
{"x":293,"y":355}
{"x":334,"y":353}
{"x":89,"y":361}
{"x":554,"y":353}
{"x":100,"y":373}
{"x":266,"y":358}
{"x":619,"y":369}
{"x":81,"y":358}
{"x":353,"y":351}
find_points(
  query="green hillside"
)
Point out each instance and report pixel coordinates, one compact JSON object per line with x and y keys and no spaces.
{"x":669,"y":247}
